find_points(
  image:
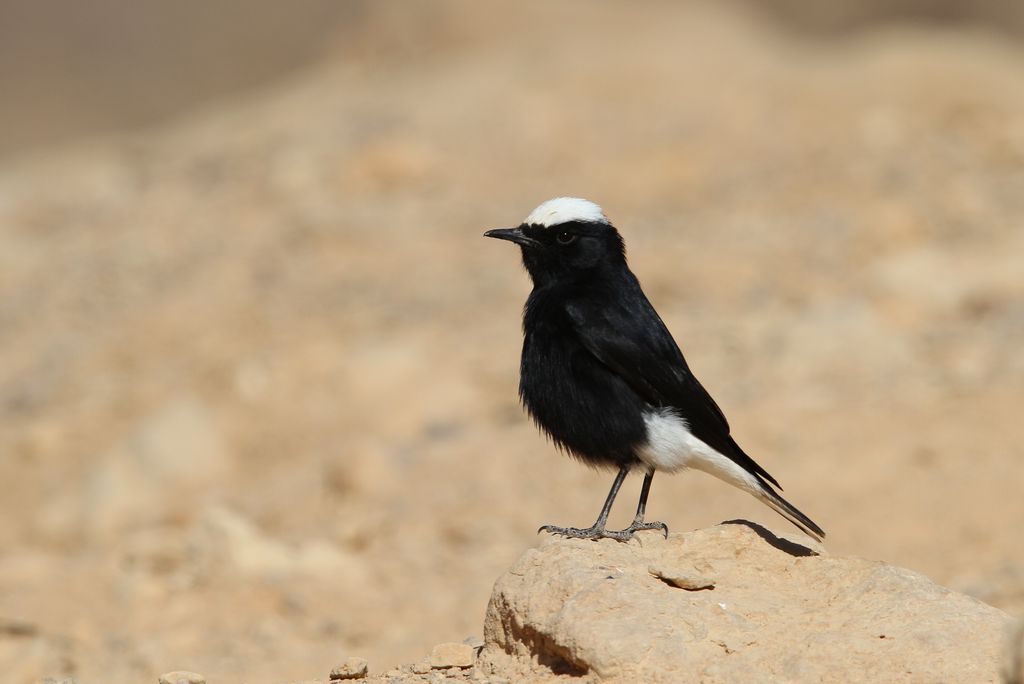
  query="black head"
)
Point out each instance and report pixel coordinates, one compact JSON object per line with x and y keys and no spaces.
{"x":563,"y":238}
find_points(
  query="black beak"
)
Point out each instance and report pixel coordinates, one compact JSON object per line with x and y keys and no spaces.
{"x":512,"y":235}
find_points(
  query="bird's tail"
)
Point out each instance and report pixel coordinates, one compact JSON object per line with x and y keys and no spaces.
{"x":788,"y":511}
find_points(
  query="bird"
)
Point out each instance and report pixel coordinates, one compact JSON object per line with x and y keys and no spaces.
{"x":603,"y":377}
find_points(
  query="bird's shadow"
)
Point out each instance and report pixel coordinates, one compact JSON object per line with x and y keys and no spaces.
{"x":784,"y":545}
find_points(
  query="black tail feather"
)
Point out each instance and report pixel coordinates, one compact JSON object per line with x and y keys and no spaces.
{"x":790,"y":512}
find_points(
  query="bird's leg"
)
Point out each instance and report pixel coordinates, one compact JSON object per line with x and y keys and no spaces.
{"x":597,"y":530}
{"x":638,"y":521}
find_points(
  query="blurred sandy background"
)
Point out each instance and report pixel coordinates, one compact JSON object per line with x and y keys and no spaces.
{"x":258,"y":368}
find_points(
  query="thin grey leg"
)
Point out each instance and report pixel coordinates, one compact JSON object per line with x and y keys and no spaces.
{"x":598,"y":531}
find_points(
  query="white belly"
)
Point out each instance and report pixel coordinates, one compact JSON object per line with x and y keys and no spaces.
{"x":670,"y":447}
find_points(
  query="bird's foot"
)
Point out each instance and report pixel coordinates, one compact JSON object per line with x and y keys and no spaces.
{"x":593,"y":532}
{"x":599,"y":532}
{"x":653,"y":525}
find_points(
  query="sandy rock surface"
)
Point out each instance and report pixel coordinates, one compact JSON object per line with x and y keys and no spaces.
{"x":181,"y":677}
{"x":353,"y":668}
{"x":777,"y":613}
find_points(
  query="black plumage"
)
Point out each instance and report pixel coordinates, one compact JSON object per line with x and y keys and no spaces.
{"x":603,"y":377}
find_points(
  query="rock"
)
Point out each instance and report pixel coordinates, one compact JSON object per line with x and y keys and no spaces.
{"x":421,"y":667}
{"x":678,"y":577}
{"x":181,"y":677}
{"x":1013,"y":661}
{"x":474,"y":641}
{"x":353,"y":668}
{"x":776,"y":608}
{"x":452,"y":655}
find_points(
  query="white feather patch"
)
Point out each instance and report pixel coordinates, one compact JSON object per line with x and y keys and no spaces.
{"x":563,"y":210}
{"x":671,"y":446}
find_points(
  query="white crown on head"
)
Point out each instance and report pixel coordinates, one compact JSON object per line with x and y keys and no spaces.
{"x":565,"y":209}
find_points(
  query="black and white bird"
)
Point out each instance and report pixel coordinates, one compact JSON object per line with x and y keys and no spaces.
{"x":602,"y":376}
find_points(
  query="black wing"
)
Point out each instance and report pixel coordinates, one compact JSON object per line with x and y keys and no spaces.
{"x":627,"y":336}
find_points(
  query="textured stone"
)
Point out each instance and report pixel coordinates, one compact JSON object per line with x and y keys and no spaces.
{"x":680,"y":578}
{"x":1013,"y":662}
{"x":777,"y":612}
{"x":181,"y":677}
{"x":353,"y":668}
{"x":452,"y":655}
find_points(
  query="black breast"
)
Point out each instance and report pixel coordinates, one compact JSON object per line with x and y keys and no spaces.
{"x":573,"y":397}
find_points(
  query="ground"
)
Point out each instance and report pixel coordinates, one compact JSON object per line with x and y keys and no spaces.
{"x":259,"y":379}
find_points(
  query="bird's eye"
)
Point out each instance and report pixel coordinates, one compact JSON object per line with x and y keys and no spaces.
{"x":565,"y":237}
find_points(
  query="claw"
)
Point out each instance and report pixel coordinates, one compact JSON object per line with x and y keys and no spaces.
{"x":654,"y":525}
{"x":576,"y":532}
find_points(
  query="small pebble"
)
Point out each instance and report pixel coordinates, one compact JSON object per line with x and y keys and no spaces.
{"x":422,"y":667}
{"x":452,"y":655}
{"x":182,"y":677}
{"x":683,"y":580}
{"x":352,"y":668}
